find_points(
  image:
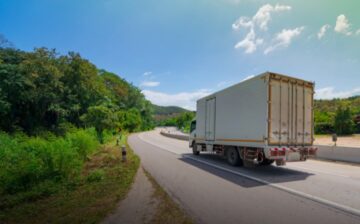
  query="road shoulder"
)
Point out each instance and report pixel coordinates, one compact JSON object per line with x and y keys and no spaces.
{"x":139,"y":206}
{"x":147,"y":202}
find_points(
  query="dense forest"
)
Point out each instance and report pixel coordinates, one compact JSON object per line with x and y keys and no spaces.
{"x":43,"y":91}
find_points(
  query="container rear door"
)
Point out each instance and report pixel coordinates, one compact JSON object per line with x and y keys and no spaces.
{"x":210,"y":119}
{"x":290,"y":113}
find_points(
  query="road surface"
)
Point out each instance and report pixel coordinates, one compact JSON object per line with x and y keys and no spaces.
{"x":213,"y":192}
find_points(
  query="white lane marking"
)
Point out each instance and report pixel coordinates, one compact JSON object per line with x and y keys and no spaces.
{"x":276,"y":186}
{"x":319,"y":171}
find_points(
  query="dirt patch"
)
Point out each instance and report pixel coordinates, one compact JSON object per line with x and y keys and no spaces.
{"x":167,"y":211}
{"x":147,"y":202}
{"x":347,"y":141}
{"x":139,"y":206}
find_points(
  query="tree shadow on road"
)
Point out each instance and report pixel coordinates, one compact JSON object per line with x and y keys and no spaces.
{"x":271,"y":174}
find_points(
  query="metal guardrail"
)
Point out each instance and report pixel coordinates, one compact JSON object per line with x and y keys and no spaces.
{"x":176,"y":136}
{"x":335,"y":153}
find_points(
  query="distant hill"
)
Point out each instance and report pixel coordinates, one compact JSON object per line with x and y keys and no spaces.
{"x":330,"y":106}
{"x":165,"y":112}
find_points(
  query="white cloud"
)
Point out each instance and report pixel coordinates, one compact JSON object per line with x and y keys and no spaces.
{"x":342,"y":25}
{"x":147,"y":73}
{"x":248,"y":77}
{"x":284,"y":38}
{"x":184,"y":99}
{"x":358,"y":32}
{"x":149,"y":84}
{"x":244,"y":22}
{"x":263,"y":15}
{"x":258,"y":22}
{"x":322,"y":31}
{"x":250,"y":42}
{"x":330,"y":93}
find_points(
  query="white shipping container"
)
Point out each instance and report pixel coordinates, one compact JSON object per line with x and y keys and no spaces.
{"x":258,"y":116}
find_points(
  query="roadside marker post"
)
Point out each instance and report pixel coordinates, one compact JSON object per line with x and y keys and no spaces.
{"x":123,"y":153}
{"x":334,"y":138}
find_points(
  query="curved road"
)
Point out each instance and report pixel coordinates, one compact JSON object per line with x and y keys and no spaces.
{"x":213,"y":192}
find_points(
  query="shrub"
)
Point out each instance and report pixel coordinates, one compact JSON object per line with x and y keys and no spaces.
{"x":95,"y":176}
{"x":19,"y":168}
{"x":64,"y":128}
{"x":108,"y":135}
{"x":324,"y":128}
{"x":344,"y":124}
{"x":84,"y":141}
{"x":26,"y":162}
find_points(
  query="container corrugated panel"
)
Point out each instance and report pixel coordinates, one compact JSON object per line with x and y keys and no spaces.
{"x":290,"y":111}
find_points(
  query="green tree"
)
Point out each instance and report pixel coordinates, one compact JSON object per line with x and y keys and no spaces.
{"x":343,"y":123}
{"x":181,"y":121}
{"x":101,"y":118}
{"x":129,"y":120}
{"x":83,"y":86}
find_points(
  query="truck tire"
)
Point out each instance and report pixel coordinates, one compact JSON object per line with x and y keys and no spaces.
{"x":232,"y":157}
{"x":194,"y":149}
{"x":267,"y":162}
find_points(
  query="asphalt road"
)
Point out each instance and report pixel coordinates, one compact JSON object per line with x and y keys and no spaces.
{"x":213,"y":192}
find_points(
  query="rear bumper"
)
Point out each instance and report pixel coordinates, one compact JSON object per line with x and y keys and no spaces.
{"x":291,"y":153}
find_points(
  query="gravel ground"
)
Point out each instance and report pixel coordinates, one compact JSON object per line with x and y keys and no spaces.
{"x":351,"y":141}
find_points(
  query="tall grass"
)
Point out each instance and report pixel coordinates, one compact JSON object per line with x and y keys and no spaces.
{"x":27,"y":163}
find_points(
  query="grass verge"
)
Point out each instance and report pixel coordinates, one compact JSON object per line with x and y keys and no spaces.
{"x":103,"y":182}
{"x":167,"y":211}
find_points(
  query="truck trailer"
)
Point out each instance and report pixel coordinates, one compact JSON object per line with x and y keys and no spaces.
{"x":258,"y":121}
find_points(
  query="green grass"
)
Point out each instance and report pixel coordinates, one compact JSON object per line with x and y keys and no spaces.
{"x":29,"y":164}
{"x":88,"y":198}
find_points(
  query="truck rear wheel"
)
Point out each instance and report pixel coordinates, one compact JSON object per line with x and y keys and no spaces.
{"x":194,"y":149}
{"x":232,"y":156}
{"x":267,"y":162}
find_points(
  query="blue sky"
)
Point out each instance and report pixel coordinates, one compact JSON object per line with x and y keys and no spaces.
{"x":178,"y":51}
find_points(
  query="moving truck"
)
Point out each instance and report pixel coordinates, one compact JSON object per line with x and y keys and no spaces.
{"x":258,"y":121}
